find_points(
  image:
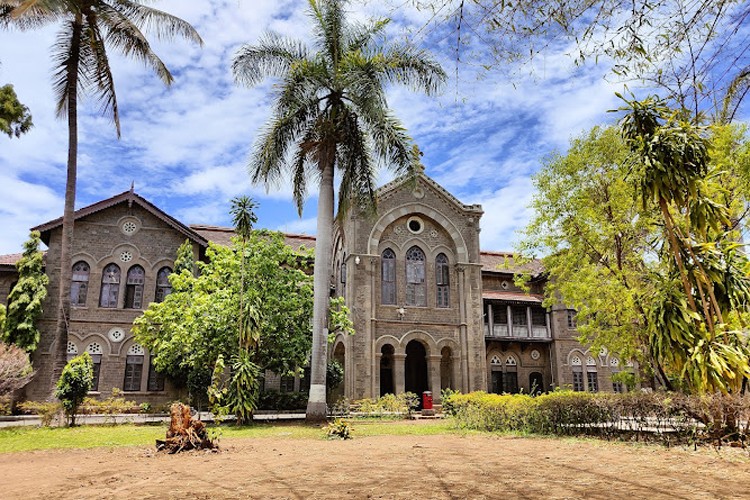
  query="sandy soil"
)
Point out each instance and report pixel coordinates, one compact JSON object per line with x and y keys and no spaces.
{"x":382,"y":467}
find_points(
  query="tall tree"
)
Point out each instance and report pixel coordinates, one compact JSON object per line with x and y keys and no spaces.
{"x":693,"y":51}
{"x":89,"y":29}
{"x":15,"y":118}
{"x":26,"y":298}
{"x":331,"y":108}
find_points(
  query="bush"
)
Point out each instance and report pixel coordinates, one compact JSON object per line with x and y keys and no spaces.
{"x":339,"y":429}
{"x":282,"y":401}
{"x":653,"y":416}
{"x":115,"y":404}
{"x":46,"y":410}
{"x":386,"y":405}
{"x":76,"y":381}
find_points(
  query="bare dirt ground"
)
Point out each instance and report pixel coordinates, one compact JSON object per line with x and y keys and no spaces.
{"x":447,"y":466}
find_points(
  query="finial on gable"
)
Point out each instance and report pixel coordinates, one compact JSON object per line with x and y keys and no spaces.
{"x":132,"y":190}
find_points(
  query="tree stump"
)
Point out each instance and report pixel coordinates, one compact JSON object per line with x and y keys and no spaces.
{"x":185,"y":432}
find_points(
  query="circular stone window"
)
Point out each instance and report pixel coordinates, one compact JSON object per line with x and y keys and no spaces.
{"x":126,"y":256}
{"x":116,"y":334}
{"x":415,"y":225}
{"x":535,"y":354}
{"x":129,"y":225}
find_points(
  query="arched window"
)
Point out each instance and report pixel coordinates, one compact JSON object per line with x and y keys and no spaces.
{"x":72,"y":350}
{"x":442,"y":280}
{"x":415,"y":287}
{"x":575,"y":361}
{"x":155,"y":378}
{"x":134,"y":288}
{"x":95,"y":350}
{"x":133,"y":368}
{"x":163,"y":286}
{"x":388,"y":277}
{"x":110,"y":286}
{"x":592,"y":381}
{"x":80,"y":284}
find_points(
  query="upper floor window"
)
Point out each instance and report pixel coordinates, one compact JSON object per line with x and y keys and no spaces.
{"x":134,"y":288}
{"x":571,"y":318}
{"x":415,"y":277}
{"x":442,"y":280}
{"x":80,"y":284}
{"x":163,"y":286}
{"x":388,"y":277}
{"x":110,"y":286}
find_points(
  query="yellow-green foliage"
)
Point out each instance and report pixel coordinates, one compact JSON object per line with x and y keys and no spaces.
{"x":657,"y":415}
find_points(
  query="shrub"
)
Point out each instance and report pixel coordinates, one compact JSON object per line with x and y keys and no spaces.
{"x":46,"y":410}
{"x":115,"y":404}
{"x":340,"y":429}
{"x":76,"y":381}
{"x":655,"y":416}
{"x":15,"y":368}
{"x":282,"y":401}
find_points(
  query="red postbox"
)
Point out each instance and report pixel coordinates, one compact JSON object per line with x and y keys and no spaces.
{"x":427,"y":400}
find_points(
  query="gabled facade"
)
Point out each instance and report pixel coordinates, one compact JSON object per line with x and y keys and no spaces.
{"x":430,"y":309}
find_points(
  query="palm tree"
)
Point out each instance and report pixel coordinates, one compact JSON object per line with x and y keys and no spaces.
{"x":331,"y":109}
{"x":88,"y":28}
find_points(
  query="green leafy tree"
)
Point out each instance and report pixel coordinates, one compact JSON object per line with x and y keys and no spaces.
{"x":185,"y":260}
{"x":89,"y":30}
{"x":595,"y":239}
{"x":15,"y":118}
{"x":697,"y":321}
{"x":330,"y":108}
{"x":27,"y":297}
{"x":197,"y":322}
{"x":695,"y":52}
{"x":76,"y":381}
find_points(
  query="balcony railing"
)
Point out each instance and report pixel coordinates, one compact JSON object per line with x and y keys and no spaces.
{"x":517,"y":332}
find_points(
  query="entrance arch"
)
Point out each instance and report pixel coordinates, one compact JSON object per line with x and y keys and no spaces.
{"x":386,"y":370}
{"x":536,"y":383}
{"x":415,"y":369}
{"x":446,"y":368}
{"x":339,"y":355}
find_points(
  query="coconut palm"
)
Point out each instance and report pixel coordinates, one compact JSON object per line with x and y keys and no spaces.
{"x":88,"y":29}
{"x":330,"y":114}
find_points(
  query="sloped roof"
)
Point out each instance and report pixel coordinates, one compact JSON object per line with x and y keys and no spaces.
{"x":504,"y":262}
{"x":130,"y":197}
{"x":223,"y":236}
{"x":10,"y":259}
{"x":513,"y":296}
{"x":398,"y":181}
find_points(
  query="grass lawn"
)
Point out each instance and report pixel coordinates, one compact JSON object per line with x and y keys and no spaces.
{"x":16,"y":439}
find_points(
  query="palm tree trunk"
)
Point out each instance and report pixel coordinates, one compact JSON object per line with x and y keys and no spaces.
{"x":66,"y":243}
{"x":316,"y":405}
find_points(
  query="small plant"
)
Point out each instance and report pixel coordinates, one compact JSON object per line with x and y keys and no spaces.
{"x":145,"y":407}
{"x":47,"y":411}
{"x":339,"y":429}
{"x":75,"y":382}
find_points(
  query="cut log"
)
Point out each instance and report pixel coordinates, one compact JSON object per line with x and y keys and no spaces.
{"x":185,"y":432}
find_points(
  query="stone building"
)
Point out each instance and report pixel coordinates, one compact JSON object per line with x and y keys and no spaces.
{"x":431,"y":310}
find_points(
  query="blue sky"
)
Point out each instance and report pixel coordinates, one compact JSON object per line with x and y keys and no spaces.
{"x":186,"y":147}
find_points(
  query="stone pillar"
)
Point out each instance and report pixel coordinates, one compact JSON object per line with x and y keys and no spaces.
{"x":549,"y":331}
{"x":465,"y":379}
{"x":529,"y":327}
{"x":399,"y":372}
{"x":510,"y":321}
{"x":490,"y":320}
{"x":433,"y":368}
{"x":456,"y":367}
{"x":376,"y":375}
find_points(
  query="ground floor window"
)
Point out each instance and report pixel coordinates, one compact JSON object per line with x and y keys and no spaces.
{"x":287,"y":383}
{"x":155,"y":379}
{"x":577,"y":378}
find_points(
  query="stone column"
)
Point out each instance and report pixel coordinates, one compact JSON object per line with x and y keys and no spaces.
{"x":529,"y":327}
{"x":433,"y":367}
{"x":456,"y":367}
{"x":399,"y":372}
{"x":510,"y":321}
{"x":465,"y":379}
{"x":376,"y":375}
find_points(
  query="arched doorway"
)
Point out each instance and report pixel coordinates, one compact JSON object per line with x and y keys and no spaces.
{"x":386,"y":370}
{"x":536,"y":383}
{"x":446,"y":368}
{"x":415,"y":369}
{"x":339,"y":355}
